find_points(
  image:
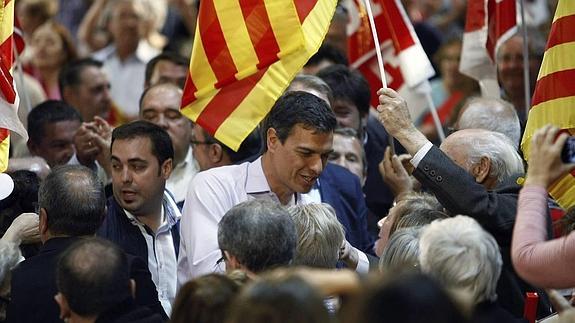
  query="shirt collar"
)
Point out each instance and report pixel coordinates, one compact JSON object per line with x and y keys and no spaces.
{"x":256,"y":181}
{"x":170,"y":212}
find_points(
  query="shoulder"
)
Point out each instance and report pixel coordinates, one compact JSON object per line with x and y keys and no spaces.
{"x":336,"y":174}
{"x":222,"y":178}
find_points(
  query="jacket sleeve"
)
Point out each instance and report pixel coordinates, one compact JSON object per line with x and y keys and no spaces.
{"x":458,"y":192}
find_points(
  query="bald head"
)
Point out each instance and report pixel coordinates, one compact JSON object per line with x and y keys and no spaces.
{"x":491,"y":114}
{"x":488,"y":156}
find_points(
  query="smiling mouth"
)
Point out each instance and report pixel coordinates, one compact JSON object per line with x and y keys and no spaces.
{"x":309,"y":179}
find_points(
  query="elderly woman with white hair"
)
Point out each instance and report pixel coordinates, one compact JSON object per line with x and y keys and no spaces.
{"x":466,"y":260}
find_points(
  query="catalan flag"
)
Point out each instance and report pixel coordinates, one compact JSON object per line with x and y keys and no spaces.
{"x":8,"y":95}
{"x":554,"y":98}
{"x":244,"y":55}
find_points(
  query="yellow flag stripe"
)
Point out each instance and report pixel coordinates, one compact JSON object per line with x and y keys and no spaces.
{"x":4,"y":152}
{"x":564,"y":191}
{"x":558,"y":112}
{"x":7,"y":21}
{"x":564,"y":8}
{"x":557,"y":58}
{"x":281,"y":14}
{"x":237,"y":37}
{"x":200,"y":69}
{"x":245,"y":117}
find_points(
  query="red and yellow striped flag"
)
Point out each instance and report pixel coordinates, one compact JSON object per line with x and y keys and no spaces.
{"x":554,"y":96}
{"x":8,"y":95}
{"x":245,"y":54}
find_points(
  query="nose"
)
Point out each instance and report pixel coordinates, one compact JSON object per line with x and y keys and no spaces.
{"x":316,"y":165}
{"x":126,"y":175}
{"x":162,"y":121}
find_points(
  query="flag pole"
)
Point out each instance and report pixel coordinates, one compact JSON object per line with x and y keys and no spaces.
{"x":435,"y":116}
{"x":526,"y":81}
{"x":379,"y":61}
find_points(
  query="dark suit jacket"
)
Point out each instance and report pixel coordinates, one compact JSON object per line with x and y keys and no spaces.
{"x":341,"y":189}
{"x":495,"y":210}
{"x":34,"y":285}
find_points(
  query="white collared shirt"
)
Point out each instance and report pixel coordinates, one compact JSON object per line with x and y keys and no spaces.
{"x":182,"y":176}
{"x":210,"y":195}
{"x":126,"y":77}
{"x":162,"y":262}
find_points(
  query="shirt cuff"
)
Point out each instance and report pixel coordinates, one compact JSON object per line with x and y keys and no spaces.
{"x":362,"y":263}
{"x":420,"y":154}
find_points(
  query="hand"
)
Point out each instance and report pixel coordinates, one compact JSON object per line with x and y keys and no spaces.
{"x":564,"y":309}
{"x":545,"y":164}
{"x":85,"y":143}
{"x":394,"y":174}
{"x":24,"y":229}
{"x":394,"y":115}
{"x":349,"y":255}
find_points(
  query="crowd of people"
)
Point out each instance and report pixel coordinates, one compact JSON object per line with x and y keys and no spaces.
{"x":118,"y":208}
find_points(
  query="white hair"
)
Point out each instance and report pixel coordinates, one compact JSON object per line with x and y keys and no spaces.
{"x":491,"y":114}
{"x":402,"y":250}
{"x":505,"y":161}
{"x":9,"y":257}
{"x":462,"y":256}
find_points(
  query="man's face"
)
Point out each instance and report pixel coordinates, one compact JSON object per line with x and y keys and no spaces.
{"x":347,"y":152}
{"x":168,"y":72}
{"x":92,"y":96}
{"x":138,"y":180}
{"x":348,"y":116}
{"x":510,"y":65}
{"x":161,"y":106}
{"x":57,"y":145}
{"x":127,"y":22}
{"x":299,"y":161}
{"x":201,"y":149}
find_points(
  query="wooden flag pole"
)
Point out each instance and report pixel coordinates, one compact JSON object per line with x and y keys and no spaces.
{"x":379,"y":62}
{"x":526,"y":81}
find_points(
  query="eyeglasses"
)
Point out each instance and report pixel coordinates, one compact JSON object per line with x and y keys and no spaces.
{"x":197,"y":142}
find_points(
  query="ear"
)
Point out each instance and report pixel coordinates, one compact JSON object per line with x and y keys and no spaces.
{"x":43,"y":225}
{"x":167,"y":168}
{"x":65,"y":311}
{"x":68,"y":95}
{"x":481,"y":170}
{"x":232,"y":262}
{"x":32,"y":147}
{"x":133,"y":288}
{"x":215,"y":153}
{"x":272,"y":139}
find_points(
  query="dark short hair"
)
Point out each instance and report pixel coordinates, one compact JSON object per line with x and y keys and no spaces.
{"x":94,"y":276}
{"x":162,"y":146}
{"x":48,"y":112}
{"x":298,"y":107}
{"x":347,"y":85}
{"x":249,"y":150}
{"x":172,"y":57}
{"x":259,"y":233}
{"x":74,"y":200}
{"x":330,"y":53}
{"x":71,"y":73}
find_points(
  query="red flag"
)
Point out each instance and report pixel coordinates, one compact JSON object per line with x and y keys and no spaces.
{"x":405,"y":62}
{"x":489,"y":23}
{"x":8,"y":95}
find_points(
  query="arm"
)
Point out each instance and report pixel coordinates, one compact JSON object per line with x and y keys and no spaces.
{"x":543,"y":263}
{"x":206,"y":203}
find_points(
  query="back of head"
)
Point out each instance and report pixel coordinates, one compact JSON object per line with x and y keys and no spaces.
{"x":48,"y":112}
{"x":498,"y":148}
{"x":93,"y":275}
{"x":204,"y":300}
{"x":302,"y":108}
{"x":462,"y":256}
{"x":259,"y":234}
{"x":311,"y":83}
{"x":347,"y":85}
{"x":491,"y":114}
{"x":287,"y":299}
{"x":160,"y":140}
{"x":320,"y":235}
{"x":402,"y":251}
{"x":413,"y":203}
{"x":406,"y":298}
{"x":73,"y":199}
{"x":419,"y":217}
